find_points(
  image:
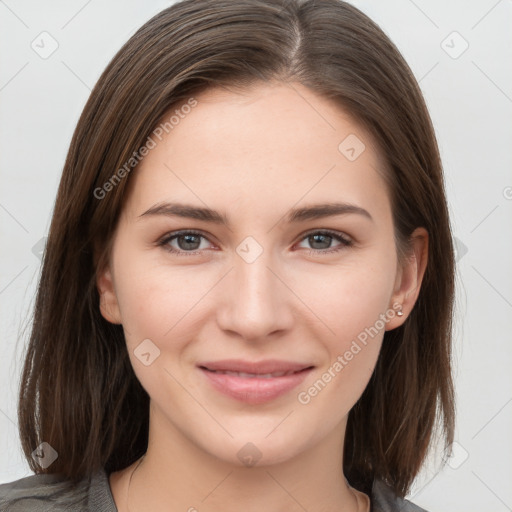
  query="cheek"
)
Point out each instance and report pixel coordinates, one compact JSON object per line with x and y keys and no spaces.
{"x":334,"y":391}
{"x":157,"y":301}
{"x":350,"y":298}
{"x":354,"y":311}
{"x":352,"y":366}
{"x":149,"y":301}
{"x":154,"y":315}
{"x":353,"y":307}
{"x":152,"y":294}
{"x":162,"y":304}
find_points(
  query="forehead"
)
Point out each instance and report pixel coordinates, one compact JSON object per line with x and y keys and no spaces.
{"x":270,"y":144}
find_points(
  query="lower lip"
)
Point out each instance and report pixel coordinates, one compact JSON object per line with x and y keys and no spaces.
{"x":255,"y":390}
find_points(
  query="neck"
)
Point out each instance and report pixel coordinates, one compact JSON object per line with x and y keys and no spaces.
{"x":180,"y":476}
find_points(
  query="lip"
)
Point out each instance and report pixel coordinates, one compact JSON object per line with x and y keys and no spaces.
{"x":262,"y":367}
{"x":254,"y":390}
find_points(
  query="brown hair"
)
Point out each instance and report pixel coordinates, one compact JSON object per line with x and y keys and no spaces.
{"x":78,"y":390}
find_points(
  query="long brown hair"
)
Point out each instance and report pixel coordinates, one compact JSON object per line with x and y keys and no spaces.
{"x":78,"y":390}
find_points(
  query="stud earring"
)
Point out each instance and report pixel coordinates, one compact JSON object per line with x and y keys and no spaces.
{"x":400,"y":313}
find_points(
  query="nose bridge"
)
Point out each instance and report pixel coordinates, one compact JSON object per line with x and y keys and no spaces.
{"x":256,"y":304}
{"x":255,"y":283}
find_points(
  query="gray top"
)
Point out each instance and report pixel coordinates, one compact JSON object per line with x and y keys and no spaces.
{"x":45,"y":493}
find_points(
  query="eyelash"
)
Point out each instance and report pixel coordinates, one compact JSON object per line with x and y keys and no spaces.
{"x":345,"y":242}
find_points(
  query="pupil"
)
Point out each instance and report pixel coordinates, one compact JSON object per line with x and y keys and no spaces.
{"x":319,"y":238}
{"x":189,"y":239}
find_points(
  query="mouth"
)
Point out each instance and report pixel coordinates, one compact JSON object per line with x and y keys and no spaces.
{"x":254,"y":383}
{"x":246,"y":375}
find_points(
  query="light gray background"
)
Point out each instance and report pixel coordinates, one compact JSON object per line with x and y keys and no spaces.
{"x":469,"y":96}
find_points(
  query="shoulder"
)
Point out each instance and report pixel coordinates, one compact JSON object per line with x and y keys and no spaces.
{"x":384,"y":500}
{"x":50,"y":492}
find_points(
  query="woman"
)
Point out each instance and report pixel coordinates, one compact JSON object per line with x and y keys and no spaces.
{"x":246,"y":295}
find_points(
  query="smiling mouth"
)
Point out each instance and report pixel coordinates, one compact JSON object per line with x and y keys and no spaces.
{"x":246,"y":375}
{"x":254,"y":388}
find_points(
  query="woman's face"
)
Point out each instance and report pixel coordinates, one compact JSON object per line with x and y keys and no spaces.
{"x":267,"y":284}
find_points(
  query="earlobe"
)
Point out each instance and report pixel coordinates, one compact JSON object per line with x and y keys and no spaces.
{"x":409,"y":277}
{"x":109,"y":306}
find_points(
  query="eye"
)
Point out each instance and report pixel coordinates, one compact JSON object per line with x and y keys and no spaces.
{"x":189,"y":242}
{"x":324,"y":238}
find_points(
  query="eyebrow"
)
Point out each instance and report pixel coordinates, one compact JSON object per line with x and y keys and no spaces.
{"x":317,"y":211}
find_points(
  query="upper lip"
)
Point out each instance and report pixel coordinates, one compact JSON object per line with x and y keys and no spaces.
{"x":256,"y":367}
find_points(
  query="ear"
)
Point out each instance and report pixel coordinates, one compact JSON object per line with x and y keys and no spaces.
{"x":409,"y":278}
{"x":109,"y":306}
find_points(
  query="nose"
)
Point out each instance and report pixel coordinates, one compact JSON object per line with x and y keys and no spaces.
{"x":256,"y":301}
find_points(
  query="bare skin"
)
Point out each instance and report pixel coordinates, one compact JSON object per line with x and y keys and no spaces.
{"x":253,"y":157}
